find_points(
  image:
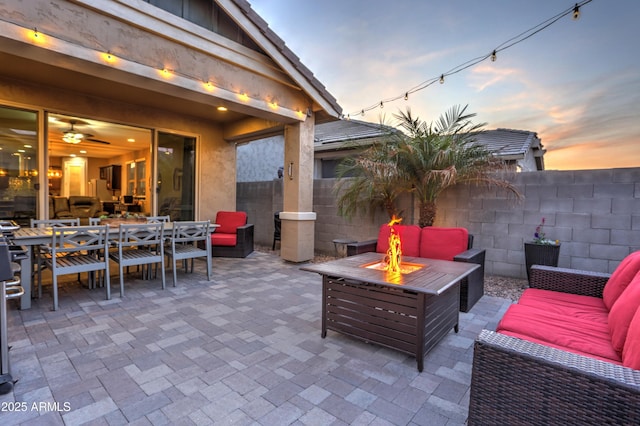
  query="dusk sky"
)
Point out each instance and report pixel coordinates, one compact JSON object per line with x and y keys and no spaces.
{"x":576,"y":83}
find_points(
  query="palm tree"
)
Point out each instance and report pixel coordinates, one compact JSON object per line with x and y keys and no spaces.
{"x":373,"y":184}
{"x":433,"y":157}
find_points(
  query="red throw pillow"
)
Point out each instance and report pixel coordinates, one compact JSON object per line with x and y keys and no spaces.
{"x":443,"y":243}
{"x":621,"y":278}
{"x":622,"y":313}
{"x":409,"y":239}
{"x":230,"y":221}
{"x":631,"y":350}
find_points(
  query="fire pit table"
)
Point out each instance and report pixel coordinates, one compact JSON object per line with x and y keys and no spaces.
{"x":409,"y":311}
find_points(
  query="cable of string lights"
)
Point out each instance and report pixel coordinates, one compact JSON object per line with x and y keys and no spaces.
{"x":574,"y":11}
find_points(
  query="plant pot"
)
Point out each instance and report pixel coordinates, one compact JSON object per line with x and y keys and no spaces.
{"x":540,"y":254}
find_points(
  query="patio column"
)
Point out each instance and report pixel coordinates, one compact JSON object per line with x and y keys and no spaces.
{"x":298,"y":219}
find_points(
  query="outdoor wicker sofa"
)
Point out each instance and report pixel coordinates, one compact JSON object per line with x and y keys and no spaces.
{"x":435,"y":243}
{"x":518,"y":381}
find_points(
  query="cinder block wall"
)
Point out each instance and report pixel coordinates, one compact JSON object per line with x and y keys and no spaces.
{"x":594,"y":213}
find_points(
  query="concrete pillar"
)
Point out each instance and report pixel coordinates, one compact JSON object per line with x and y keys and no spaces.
{"x":298,"y":219}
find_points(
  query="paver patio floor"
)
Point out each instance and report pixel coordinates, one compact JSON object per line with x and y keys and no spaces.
{"x":244,"y":348}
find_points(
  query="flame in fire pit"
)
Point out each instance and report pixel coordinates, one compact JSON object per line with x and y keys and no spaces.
{"x":392,"y":263}
{"x":394,"y":252}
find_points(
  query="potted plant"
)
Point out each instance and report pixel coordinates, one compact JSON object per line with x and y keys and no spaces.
{"x":541,"y":250}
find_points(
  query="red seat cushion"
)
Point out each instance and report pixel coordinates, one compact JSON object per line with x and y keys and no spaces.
{"x":631,"y":350}
{"x":409,"y":238}
{"x":622,"y":313}
{"x":562,"y":331}
{"x":223,"y":239}
{"x":443,"y":243}
{"x":620,"y":279}
{"x":584,"y":307}
{"x":230,"y":221}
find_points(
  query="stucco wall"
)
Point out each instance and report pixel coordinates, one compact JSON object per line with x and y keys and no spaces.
{"x":594,"y":213}
{"x":259,"y":160}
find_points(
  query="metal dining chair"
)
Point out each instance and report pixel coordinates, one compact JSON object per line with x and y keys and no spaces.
{"x":40,"y":253}
{"x":78,"y":249}
{"x":186,"y":241}
{"x":94,"y":221}
{"x":139,"y":244}
{"x":157,"y":219}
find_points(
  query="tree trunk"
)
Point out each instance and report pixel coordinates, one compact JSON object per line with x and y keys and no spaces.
{"x":391,"y":209}
{"x":427,"y":214}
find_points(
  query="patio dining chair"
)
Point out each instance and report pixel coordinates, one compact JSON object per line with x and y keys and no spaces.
{"x":78,"y":249}
{"x":158,"y":219}
{"x":139,"y":244}
{"x":186,"y":242}
{"x":40,"y":253}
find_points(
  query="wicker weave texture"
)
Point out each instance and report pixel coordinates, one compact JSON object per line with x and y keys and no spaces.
{"x":516,"y":382}
{"x":568,"y":280}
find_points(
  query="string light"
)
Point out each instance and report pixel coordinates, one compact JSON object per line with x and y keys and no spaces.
{"x":381,"y":105}
{"x":107,"y":56}
{"x":574,"y":11}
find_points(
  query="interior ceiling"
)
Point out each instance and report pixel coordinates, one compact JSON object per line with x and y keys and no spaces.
{"x":100,"y":139}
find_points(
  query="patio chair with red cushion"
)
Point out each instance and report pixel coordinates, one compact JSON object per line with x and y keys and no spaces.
{"x":233,"y":237}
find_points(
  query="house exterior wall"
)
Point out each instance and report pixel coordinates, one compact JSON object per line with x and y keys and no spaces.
{"x":594,"y":213}
{"x":259,"y":160}
{"x":528,"y":163}
{"x":216,"y":158}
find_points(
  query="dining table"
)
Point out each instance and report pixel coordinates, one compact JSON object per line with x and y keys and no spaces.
{"x":34,"y":237}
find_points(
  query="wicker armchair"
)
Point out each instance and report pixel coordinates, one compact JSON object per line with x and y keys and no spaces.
{"x":517,"y":382}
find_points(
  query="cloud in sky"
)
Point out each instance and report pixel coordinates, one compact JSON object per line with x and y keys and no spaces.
{"x":577,"y":83}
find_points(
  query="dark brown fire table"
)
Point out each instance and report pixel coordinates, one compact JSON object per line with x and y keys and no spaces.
{"x":409,"y":312}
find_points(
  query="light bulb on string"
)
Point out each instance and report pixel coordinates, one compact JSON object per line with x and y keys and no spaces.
{"x":442,"y":79}
{"x":576,"y":12}
{"x":493,"y":56}
{"x":362,"y":112}
{"x":406,"y":96}
{"x":381,"y":104}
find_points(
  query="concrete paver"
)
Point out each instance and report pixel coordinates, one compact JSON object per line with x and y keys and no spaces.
{"x":244,"y":348}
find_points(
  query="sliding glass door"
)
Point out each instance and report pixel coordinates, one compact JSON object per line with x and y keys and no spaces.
{"x":18,"y":164}
{"x":176,"y":176}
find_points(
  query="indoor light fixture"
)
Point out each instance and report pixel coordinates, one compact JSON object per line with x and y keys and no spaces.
{"x":72,"y":137}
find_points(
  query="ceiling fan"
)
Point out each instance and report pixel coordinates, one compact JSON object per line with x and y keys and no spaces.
{"x":72,"y":136}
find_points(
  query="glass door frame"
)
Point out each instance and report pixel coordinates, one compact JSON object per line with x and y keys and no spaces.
{"x":196,"y":166}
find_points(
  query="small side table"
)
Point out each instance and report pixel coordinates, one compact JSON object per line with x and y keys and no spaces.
{"x":340,"y":245}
